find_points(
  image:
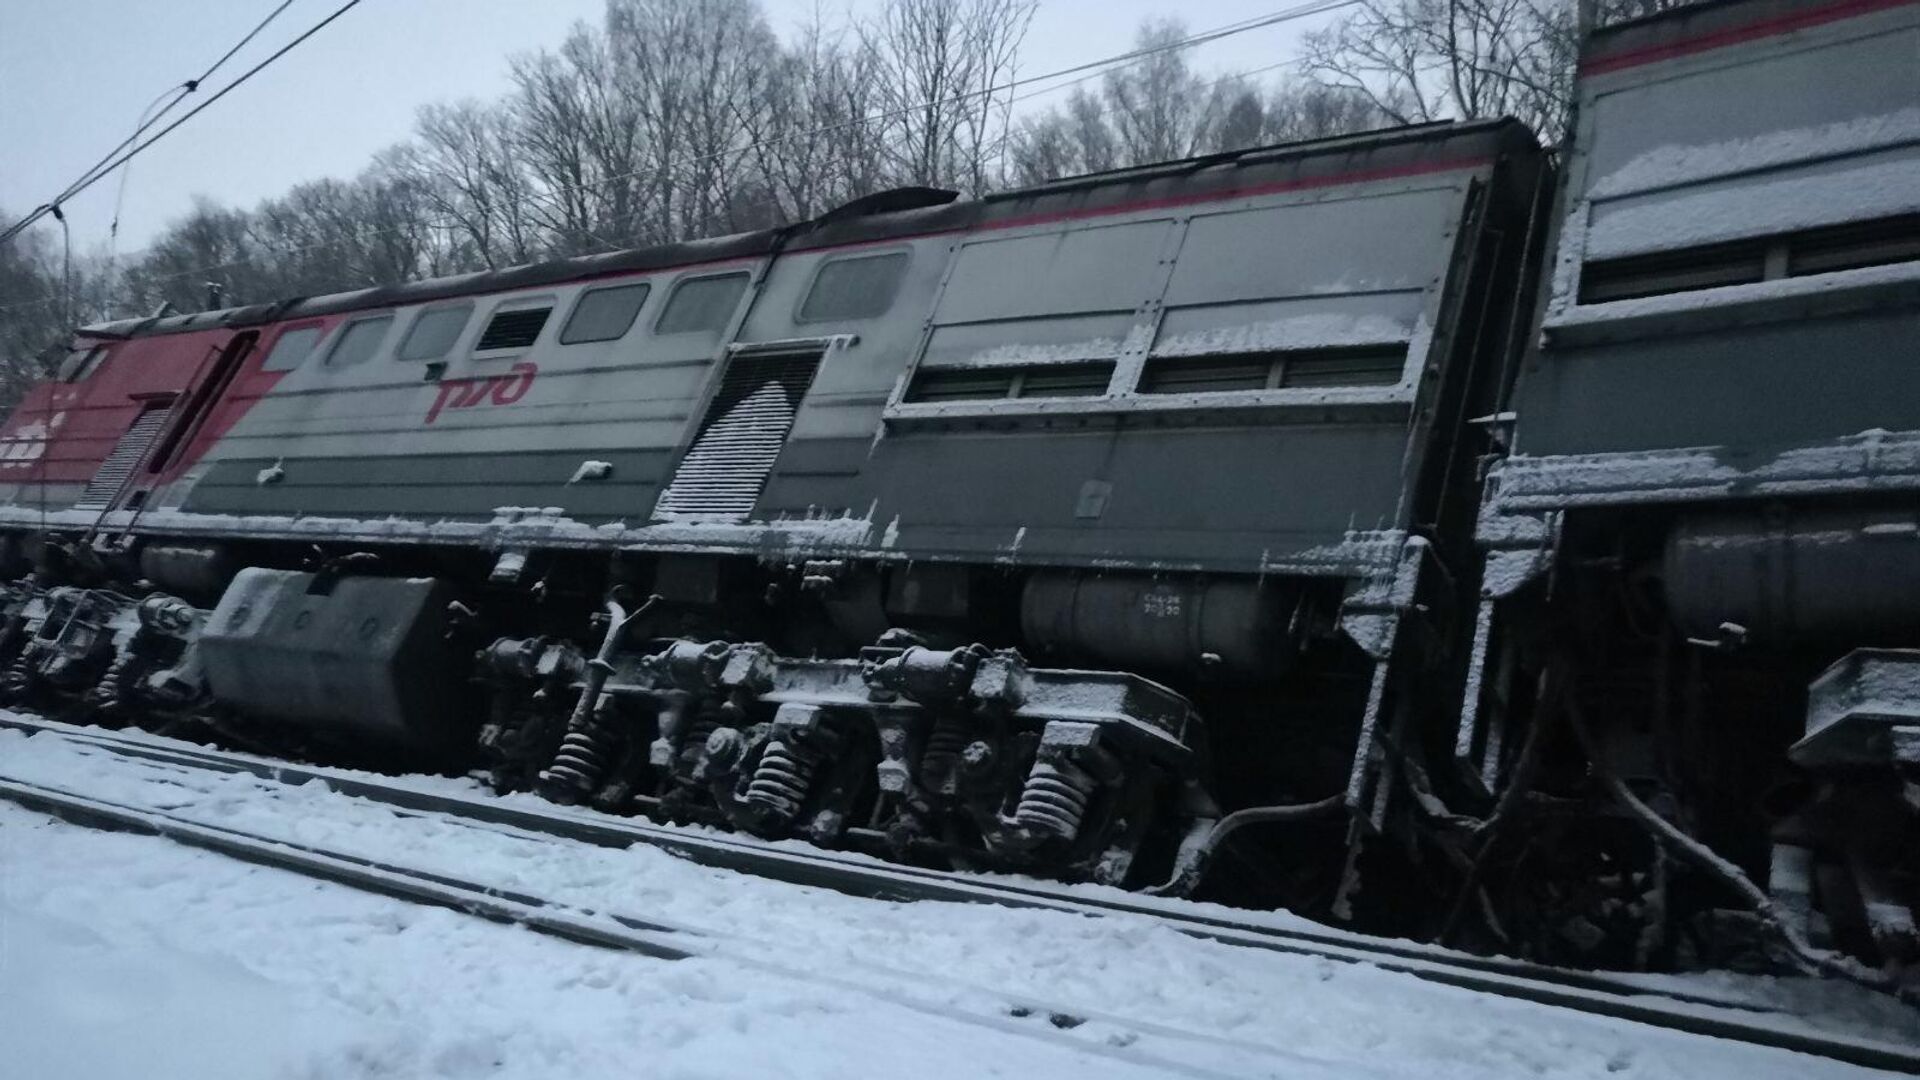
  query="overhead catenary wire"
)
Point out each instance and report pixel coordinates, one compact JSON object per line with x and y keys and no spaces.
{"x":185,"y":88}
{"x":122,"y":154}
{"x":1074,"y":75}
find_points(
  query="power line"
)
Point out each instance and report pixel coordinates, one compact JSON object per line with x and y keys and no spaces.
{"x":188,"y":87}
{"x":95,"y":174}
{"x":180,"y":92}
{"x":1086,"y":71}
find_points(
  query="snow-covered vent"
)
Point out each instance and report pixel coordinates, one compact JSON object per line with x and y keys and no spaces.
{"x":1366,"y":365}
{"x":1017,"y":381}
{"x":126,"y":456}
{"x":1742,"y":262}
{"x":740,"y":437}
{"x":513,"y":329}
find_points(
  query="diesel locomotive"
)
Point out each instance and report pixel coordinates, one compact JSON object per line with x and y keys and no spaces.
{"x":1418,"y":529}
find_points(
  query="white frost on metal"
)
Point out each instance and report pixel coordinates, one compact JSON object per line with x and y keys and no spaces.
{"x":1871,"y":461}
{"x":1312,"y":330}
{"x":1748,"y":207}
{"x":1020,"y":354}
{"x":591,"y":470}
{"x":1674,"y":165}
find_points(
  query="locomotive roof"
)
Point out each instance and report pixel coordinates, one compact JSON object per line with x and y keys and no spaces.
{"x":1706,"y":24}
{"x":1371,"y":155}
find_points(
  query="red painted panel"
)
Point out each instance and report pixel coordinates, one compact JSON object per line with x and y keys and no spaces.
{"x":61,"y":432}
{"x":1810,"y":16}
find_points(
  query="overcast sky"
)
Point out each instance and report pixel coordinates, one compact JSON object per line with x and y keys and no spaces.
{"x":75,"y":75}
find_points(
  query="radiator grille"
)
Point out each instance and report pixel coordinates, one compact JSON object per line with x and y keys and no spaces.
{"x":126,"y":456}
{"x":745,"y":427}
{"x":513,"y":329}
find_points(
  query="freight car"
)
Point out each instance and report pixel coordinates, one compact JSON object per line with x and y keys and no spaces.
{"x":1355,"y":526}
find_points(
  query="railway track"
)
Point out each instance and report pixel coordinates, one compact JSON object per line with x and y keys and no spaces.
{"x":1161,"y":1048}
{"x":1588,"y":992}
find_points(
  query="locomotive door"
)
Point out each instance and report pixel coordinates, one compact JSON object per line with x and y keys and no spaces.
{"x":165,"y":424}
{"x":745,"y":426}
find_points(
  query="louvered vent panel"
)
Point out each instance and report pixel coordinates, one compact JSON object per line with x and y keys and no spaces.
{"x":723,"y":471}
{"x":126,"y":456}
{"x":513,"y":329}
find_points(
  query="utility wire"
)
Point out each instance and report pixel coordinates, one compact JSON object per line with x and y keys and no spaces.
{"x":179,"y":92}
{"x":188,"y":87}
{"x":111,"y":162}
{"x":1086,"y":71}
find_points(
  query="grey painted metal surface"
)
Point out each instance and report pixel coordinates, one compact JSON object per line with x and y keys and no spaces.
{"x":1291,"y":257}
{"x":1716,"y":153}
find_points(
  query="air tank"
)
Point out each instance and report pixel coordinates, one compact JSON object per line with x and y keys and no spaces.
{"x":1784,"y":578}
{"x":1223,"y":626}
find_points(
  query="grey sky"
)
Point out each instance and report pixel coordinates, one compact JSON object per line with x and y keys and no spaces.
{"x":75,"y":75}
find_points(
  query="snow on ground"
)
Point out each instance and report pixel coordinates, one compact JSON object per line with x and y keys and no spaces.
{"x":128,"y":955}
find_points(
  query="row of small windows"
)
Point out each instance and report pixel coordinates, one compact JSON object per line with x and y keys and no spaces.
{"x":855,"y":288}
{"x":1852,"y":246}
{"x":1284,"y":369}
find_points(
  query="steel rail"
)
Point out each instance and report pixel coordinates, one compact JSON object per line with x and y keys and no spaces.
{"x":1012,"y":1013}
{"x":1588,"y":992}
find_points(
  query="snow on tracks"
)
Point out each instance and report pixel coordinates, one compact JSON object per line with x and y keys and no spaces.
{"x":1276,"y":1014}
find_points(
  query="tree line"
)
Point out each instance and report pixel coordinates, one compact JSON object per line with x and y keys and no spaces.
{"x":673,"y":119}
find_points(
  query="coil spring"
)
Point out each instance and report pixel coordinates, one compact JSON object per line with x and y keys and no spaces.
{"x":694,"y":743}
{"x":1054,"y":799}
{"x":580,"y":762}
{"x":105,"y":695}
{"x":19,"y":677}
{"x":781,"y":780}
{"x":939,"y":762}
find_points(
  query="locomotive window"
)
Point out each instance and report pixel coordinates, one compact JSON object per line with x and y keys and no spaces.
{"x":701,"y":304}
{"x":603,"y":314}
{"x":859,"y":288}
{"x":293,"y":347}
{"x":1362,"y":365}
{"x":433,"y":333}
{"x":1014,"y":381}
{"x":359,"y":341}
{"x":518,"y":328}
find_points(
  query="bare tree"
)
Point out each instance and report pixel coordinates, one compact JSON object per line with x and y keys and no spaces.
{"x":811,"y":143}
{"x":1420,"y":60}
{"x":1159,"y":107}
{"x":465,"y":158}
{"x":942,"y":69}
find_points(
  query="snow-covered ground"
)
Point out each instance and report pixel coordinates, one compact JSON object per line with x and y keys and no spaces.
{"x":131,"y":956}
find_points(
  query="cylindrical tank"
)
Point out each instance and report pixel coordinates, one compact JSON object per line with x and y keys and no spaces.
{"x":1228,"y":626}
{"x":199,"y":572}
{"x":1786,"y":578}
